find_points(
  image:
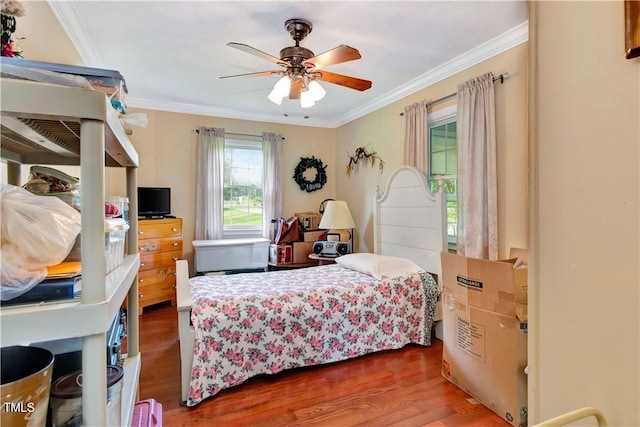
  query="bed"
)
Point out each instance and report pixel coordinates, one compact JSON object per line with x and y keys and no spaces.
{"x":234,"y":327}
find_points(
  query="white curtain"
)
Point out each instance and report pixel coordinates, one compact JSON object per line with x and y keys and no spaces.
{"x":271,"y":181}
{"x":209,"y":168}
{"x":477,"y":180}
{"x":415,"y":151}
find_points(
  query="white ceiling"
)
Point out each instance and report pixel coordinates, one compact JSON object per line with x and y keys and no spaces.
{"x":172,"y":53}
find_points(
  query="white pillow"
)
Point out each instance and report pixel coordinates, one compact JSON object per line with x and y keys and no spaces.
{"x":379,"y":266}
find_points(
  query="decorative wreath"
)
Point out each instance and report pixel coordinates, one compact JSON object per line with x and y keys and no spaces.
{"x":321,"y":174}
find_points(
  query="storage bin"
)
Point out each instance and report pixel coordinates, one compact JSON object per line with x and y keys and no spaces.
{"x":26,"y":382}
{"x":231,"y":254}
{"x":110,"y":82}
{"x":147,"y":413}
{"x":121,"y":205}
{"x":114,"y":232}
{"x":66,"y":398}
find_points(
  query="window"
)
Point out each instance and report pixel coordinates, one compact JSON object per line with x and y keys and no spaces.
{"x":242,"y":186}
{"x":443,"y":162}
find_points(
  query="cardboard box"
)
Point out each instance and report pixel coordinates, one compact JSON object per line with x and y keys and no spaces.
{"x":280,"y":254}
{"x":485,"y":331}
{"x":310,"y":220}
{"x":314,"y":236}
{"x":485,"y":354}
{"x":498,"y":286}
{"x":301,"y":251}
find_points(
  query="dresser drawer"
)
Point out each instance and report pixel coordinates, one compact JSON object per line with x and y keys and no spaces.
{"x":156,"y":228}
{"x":152,"y":246}
{"x":157,"y":276}
{"x":159,"y":260}
{"x":153,"y":294}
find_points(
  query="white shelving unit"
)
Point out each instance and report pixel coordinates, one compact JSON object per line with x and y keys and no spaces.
{"x":48,"y":124}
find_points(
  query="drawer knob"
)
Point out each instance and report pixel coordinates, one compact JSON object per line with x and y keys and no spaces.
{"x":174,"y":273}
{"x":175,"y":243}
{"x":140,"y":232}
{"x":141,"y":280}
{"x":174,"y":229}
{"x":140,"y":295}
{"x":175,"y":258}
{"x":142,"y":264}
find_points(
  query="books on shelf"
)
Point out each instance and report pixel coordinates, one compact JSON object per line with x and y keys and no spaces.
{"x":49,"y":290}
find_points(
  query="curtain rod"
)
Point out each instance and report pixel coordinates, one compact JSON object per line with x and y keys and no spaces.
{"x":239,"y":134}
{"x":501,"y":77}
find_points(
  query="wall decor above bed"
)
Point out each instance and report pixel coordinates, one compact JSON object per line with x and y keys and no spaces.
{"x":305,"y":164}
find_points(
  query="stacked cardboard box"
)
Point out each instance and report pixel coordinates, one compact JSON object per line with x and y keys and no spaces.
{"x":485,"y":331}
{"x":309,"y":220}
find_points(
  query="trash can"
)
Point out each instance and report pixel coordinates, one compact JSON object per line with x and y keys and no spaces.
{"x":26,"y":382}
{"x":66,"y":398}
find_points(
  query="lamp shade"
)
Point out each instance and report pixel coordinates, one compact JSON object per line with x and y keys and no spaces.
{"x":337,"y":215}
{"x":306,"y":100}
{"x":316,"y":91}
{"x":280,"y":90}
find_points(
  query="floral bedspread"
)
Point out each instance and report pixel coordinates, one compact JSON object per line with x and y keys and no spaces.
{"x":262,"y":323}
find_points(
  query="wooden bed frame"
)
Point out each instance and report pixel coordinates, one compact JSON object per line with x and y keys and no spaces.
{"x":409,"y":222}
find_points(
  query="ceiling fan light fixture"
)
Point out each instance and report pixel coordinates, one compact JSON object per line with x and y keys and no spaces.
{"x":306,"y":99}
{"x":301,"y":67}
{"x":275,"y":98}
{"x":316,"y":91}
{"x":280,"y":90}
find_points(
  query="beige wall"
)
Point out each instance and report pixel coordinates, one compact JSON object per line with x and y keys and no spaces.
{"x":383,"y":131}
{"x":43,"y":37}
{"x":167,"y":150}
{"x":584,"y":317}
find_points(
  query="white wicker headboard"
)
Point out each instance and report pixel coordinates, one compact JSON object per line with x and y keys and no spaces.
{"x":410,"y":221}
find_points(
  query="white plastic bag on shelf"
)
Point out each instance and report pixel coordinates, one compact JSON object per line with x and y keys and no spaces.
{"x":37,"y":231}
{"x":135,"y":119}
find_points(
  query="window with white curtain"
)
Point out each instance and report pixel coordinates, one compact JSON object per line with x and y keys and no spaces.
{"x":443,"y":162}
{"x":242,"y":186}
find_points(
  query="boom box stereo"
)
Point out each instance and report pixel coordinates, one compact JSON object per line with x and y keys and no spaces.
{"x":331,"y":248}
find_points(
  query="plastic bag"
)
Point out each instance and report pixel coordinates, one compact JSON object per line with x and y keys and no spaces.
{"x":135,"y":119}
{"x":37,"y":231}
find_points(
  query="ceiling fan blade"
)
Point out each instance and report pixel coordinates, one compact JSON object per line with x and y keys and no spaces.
{"x":296,"y":89}
{"x":258,"y":53}
{"x":256,"y":74}
{"x":339,"y":79}
{"x":337,"y":55}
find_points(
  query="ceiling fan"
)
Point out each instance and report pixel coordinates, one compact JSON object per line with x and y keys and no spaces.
{"x":302,"y":68}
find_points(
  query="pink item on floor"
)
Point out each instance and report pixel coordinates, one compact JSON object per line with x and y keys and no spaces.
{"x":147,"y":413}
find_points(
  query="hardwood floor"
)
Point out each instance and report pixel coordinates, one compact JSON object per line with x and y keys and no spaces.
{"x":402,"y":388}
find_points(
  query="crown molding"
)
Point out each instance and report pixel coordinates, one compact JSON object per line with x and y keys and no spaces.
{"x":67,"y":15}
{"x":200,"y":110}
{"x":501,"y":43}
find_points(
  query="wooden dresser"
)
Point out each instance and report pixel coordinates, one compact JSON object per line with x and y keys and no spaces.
{"x":160,"y":246}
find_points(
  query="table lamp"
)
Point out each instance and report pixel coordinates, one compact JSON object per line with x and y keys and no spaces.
{"x":338,"y":220}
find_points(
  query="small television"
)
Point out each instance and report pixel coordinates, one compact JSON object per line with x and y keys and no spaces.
{"x":154,"y":201}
